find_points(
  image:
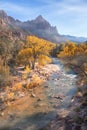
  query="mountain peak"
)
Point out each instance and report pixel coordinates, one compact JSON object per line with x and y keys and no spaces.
{"x":39,"y":18}
{"x":2,"y":11}
{"x":3,"y":14}
{"x":39,"y":27}
{"x":41,"y":23}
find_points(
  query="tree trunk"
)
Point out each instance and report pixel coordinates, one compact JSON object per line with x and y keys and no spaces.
{"x":33,"y":65}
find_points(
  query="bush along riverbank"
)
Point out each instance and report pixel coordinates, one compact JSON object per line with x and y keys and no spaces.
{"x":77,"y":117}
{"x":41,"y":104}
{"x":24,"y":84}
{"x":25,"y":96}
{"x":73,"y":119}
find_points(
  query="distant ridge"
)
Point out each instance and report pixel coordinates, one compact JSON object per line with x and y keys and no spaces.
{"x":39,"y":27}
{"x":76,"y":39}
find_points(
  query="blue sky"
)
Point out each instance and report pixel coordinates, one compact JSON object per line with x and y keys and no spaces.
{"x":70,"y":16}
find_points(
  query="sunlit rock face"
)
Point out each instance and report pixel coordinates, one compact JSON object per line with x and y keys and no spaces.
{"x":42,"y":28}
{"x":39,"y":27}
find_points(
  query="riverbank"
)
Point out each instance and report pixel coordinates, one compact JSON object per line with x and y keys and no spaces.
{"x":35,"y":109}
{"x":25,"y":95}
{"x":21,"y":87}
{"x":76,"y":119}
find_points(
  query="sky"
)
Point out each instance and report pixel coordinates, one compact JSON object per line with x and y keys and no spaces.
{"x":70,"y":16}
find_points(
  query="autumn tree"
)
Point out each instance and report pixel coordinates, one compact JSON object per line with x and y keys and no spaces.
{"x":4,"y":74}
{"x":17,"y":45}
{"x":75,"y":57}
{"x":25,"y":57}
{"x":72,"y":49}
{"x":68,"y":50}
{"x":35,"y":49}
{"x":5,"y":50}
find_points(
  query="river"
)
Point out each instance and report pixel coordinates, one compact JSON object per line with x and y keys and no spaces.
{"x":54,"y":97}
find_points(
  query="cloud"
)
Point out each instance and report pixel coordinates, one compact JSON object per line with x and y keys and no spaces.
{"x":56,"y":7}
{"x":68,"y":6}
{"x":10,"y":6}
{"x":17,"y":10}
{"x":70,"y":16}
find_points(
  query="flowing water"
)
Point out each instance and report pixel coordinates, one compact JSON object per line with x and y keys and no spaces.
{"x":52,"y":98}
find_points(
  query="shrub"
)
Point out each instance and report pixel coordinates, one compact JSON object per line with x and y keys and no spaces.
{"x":26,"y":72}
{"x":4,"y":76}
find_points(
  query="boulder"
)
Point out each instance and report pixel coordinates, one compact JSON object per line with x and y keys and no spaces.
{"x":79,"y":94}
{"x":33,"y":95}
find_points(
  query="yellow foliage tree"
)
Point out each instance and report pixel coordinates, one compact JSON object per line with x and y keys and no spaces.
{"x":71,"y":49}
{"x":36,"y":50}
{"x":42,"y":60}
{"x":25,"y":56}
